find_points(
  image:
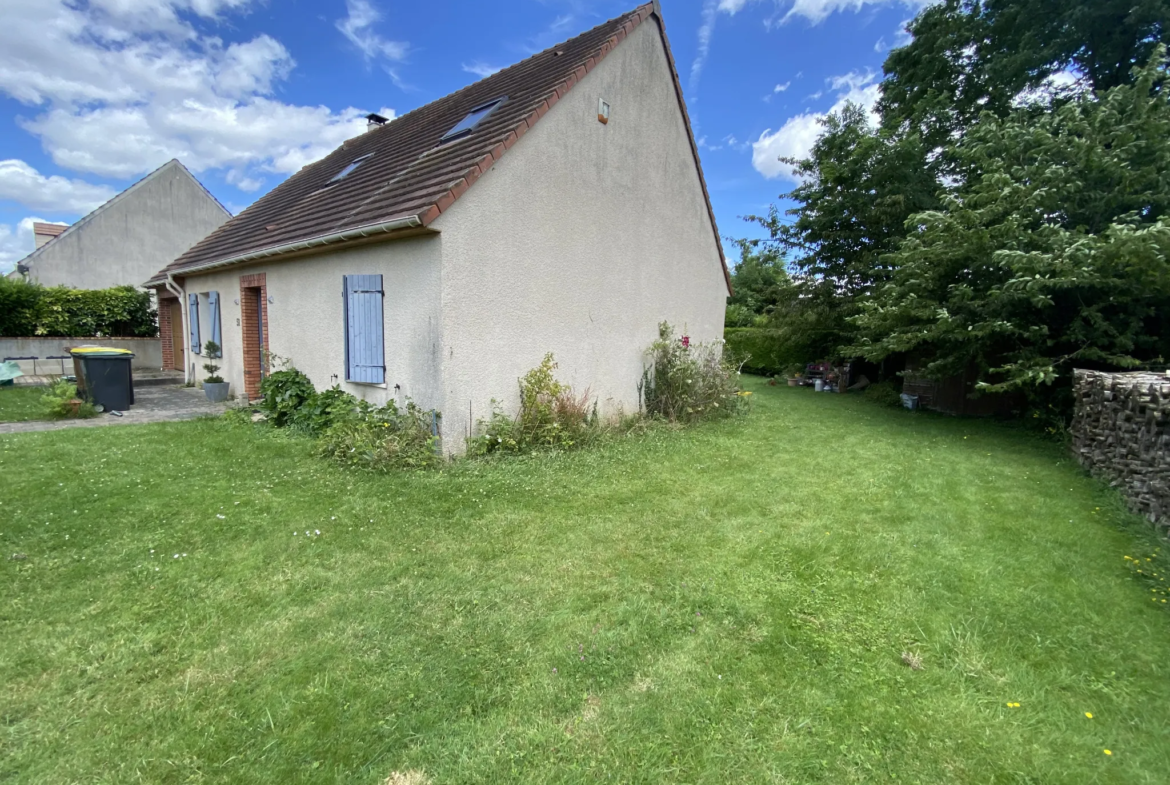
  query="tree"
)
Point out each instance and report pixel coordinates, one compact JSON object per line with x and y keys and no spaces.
{"x":1054,"y":256}
{"x":759,"y":283}
{"x":968,"y":57}
{"x":857,"y":188}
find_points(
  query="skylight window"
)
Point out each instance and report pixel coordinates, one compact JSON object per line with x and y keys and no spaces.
{"x":474,"y":118}
{"x":348,"y":169}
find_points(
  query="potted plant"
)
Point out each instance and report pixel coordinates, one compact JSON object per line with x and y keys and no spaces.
{"x":795,"y":378}
{"x":214,"y":386}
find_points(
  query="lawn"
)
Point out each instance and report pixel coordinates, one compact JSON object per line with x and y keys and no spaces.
{"x":725,"y":604}
{"x":18,"y":404}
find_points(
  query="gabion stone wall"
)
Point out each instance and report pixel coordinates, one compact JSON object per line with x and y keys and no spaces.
{"x":1121,"y":433}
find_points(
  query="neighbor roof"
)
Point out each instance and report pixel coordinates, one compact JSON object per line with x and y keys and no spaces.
{"x":408,"y":176}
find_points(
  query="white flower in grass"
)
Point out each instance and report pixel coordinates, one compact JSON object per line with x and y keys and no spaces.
{"x":318,"y":532}
{"x":221,"y":517}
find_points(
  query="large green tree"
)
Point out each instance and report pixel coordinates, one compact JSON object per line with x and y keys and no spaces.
{"x":759,"y":283}
{"x":858,"y":186}
{"x":969,"y":57}
{"x":1054,"y":256}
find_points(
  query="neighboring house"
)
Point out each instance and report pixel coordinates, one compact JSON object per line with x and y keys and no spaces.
{"x":128,"y":238}
{"x":555,"y":206}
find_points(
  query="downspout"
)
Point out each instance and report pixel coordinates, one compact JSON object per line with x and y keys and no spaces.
{"x":178,"y":292}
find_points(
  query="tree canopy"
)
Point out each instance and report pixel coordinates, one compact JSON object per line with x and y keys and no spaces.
{"x":1008,"y":213}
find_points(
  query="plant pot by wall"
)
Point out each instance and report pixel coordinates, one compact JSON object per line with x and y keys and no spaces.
{"x":216,"y":393}
{"x":794,"y":382}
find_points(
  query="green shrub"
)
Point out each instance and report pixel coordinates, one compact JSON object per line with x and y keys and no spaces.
{"x":883,"y":393}
{"x":60,"y":402}
{"x":29,"y":309}
{"x":686,"y":381}
{"x":321,"y":411}
{"x":551,"y":415}
{"x":212,"y":352}
{"x":757,"y":350}
{"x":384,"y":438}
{"x":283,"y":393}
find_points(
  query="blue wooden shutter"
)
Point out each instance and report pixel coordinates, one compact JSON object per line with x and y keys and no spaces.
{"x":365,"y":358}
{"x":216,"y":333}
{"x":193,"y":322}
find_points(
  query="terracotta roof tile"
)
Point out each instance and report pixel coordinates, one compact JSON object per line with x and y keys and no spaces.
{"x":410,"y":173}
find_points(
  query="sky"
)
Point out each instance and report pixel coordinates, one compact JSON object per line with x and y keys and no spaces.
{"x":95,"y":94}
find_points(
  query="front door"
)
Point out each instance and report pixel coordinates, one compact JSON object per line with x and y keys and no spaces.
{"x":178,"y":339}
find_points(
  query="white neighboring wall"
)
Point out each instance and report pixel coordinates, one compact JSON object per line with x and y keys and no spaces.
{"x":579,"y":242}
{"x":133,"y":236}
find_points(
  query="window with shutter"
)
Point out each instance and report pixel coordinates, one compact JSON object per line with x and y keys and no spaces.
{"x":213,"y":309}
{"x":365,"y":358}
{"x":193,"y":322}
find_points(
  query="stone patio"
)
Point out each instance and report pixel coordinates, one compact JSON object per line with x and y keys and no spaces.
{"x":151,"y":404}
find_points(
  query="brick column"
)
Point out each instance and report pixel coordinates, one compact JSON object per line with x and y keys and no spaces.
{"x":252,"y":288}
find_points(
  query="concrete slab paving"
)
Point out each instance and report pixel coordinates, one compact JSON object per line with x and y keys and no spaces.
{"x":151,"y":404}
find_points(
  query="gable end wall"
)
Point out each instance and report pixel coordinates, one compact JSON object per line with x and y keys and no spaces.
{"x":579,"y":242}
{"x":133,"y":238}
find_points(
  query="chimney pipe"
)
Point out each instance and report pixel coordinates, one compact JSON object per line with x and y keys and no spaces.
{"x":375,"y":121}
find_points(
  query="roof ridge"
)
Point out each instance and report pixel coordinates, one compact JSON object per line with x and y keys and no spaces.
{"x":426,"y":192}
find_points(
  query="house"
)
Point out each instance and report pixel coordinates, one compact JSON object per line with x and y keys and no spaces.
{"x":555,"y":206}
{"x":128,"y":238}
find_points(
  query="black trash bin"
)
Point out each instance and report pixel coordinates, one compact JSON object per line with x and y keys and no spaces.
{"x":104,"y":377}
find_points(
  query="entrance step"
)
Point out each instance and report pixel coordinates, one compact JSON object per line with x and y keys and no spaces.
{"x":157,"y":378}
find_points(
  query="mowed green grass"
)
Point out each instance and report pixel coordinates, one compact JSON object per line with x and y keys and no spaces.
{"x":18,"y":404}
{"x":728,"y":603}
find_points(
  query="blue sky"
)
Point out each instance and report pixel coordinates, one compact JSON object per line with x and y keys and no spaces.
{"x":94,"y":94}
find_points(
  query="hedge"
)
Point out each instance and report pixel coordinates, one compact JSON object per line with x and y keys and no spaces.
{"x":29,"y":309}
{"x":763,"y":348}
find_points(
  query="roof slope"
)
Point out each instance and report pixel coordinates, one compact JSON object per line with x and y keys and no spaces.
{"x":410,"y":177}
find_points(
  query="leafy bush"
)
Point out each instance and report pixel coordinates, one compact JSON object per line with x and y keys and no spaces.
{"x":62,"y":400}
{"x":759,"y":350}
{"x":383,"y":438}
{"x":551,"y":415}
{"x":29,"y":309}
{"x":323,"y":410}
{"x":686,"y":381}
{"x":283,"y":393}
{"x":883,"y":393}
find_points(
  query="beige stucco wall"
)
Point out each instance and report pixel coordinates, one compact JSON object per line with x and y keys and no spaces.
{"x":306,"y":322}
{"x":129,"y":240}
{"x":579,"y":242}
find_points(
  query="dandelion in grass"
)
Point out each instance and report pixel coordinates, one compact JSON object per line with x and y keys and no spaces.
{"x":1089,"y":714}
{"x":1108,"y":752}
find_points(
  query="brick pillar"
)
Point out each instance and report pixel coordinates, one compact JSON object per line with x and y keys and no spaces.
{"x":166,"y":331}
{"x":253,"y":297}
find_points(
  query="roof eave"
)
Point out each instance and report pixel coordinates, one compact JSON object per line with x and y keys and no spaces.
{"x":389,"y":229}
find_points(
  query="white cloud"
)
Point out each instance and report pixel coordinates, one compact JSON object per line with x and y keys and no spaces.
{"x":15,"y":244}
{"x":358,"y":27}
{"x":480,"y":69}
{"x":781,"y":87}
{"x":817,"y":11}
{"x":122,"y":86}
{"x":796,"y":137}
{"x":706,"y":31}
{"x":21,"y":183}
{"x":731,"y":7}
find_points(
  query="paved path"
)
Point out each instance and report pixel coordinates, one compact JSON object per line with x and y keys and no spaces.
{"x":151,"y":404}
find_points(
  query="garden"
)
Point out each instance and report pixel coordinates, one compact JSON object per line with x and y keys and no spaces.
{"x":824,"y":590}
